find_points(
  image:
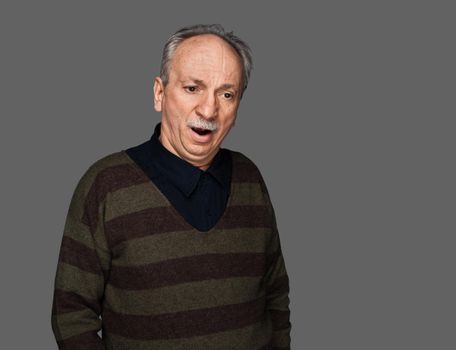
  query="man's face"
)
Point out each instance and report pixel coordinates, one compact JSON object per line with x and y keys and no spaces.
{"x":204,"y":88}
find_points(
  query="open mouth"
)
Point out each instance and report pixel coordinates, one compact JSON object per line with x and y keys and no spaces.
{"x":200,"y":131}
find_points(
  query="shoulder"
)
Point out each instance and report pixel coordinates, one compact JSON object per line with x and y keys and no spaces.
{"x":247,"y":170}
{"x":104,"y":173}
{"x":105,"y":165}
{"x":248,"y":176}
{"x":241,"y":161}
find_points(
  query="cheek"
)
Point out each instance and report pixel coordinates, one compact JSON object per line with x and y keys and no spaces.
{"x":230,"y":116}
{"x":226,"y":126}
{"x":180,"y":107}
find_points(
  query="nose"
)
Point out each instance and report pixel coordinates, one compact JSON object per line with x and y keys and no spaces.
{"x":207,"y":106}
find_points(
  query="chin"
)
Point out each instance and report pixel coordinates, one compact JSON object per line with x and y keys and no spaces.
{"x":200,"y":151}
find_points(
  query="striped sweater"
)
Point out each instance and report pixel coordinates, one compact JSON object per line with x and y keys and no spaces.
{"x":131,"y":266}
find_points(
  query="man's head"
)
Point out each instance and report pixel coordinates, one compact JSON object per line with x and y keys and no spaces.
{"x":203,"y":75}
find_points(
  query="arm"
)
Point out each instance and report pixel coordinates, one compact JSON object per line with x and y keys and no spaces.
{"x":82,"y":269}
{"x":277,"y":287}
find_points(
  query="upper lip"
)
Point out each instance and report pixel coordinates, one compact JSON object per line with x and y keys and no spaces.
{"x":197,"y":127}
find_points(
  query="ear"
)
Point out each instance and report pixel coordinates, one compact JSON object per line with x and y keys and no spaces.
{"x":159,"y":91}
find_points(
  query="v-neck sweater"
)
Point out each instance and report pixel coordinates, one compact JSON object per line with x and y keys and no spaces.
{"x":128,"y":256}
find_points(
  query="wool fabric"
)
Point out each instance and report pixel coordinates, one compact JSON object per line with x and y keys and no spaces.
{"x":133,"y":268}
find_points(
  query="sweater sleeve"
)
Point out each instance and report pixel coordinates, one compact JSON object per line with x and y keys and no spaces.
{"x":277,"y":286}
{"x":82,"y":269}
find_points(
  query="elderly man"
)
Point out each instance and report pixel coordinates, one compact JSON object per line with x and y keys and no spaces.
{"x":173,"y":244}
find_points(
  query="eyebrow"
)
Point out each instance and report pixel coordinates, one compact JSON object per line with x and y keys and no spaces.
{"x":200,"y":82}
{"x":196,"y":81}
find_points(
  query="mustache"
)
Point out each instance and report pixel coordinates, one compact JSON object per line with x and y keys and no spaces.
{"x":203,"y":124}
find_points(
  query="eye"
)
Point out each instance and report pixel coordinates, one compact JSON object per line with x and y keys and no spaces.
{"x":191,"y":88}
{"x":228,"y":95}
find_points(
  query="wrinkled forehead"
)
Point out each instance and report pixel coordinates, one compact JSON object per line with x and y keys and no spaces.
{"x":209,"y":56}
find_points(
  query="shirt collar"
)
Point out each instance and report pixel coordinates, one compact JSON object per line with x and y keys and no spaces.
{"x":184,"y":175}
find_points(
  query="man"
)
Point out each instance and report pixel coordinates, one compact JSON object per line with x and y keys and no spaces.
{"x":173,"y":244}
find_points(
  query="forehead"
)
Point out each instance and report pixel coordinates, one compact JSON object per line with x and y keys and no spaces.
{"x":206,"y":55}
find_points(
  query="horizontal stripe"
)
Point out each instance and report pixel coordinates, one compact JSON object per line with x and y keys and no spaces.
{"x":64,"y":301}
{"x":142,"y":223}
{"x":107,"y":180}
{"x":245,"y":172}
{"x":247,"y":194}
{"x":146,"y":195}
{"x":85,"y":238}
{"x":244,"y":216}
{"x":70,"y":278}
{"x":77,"y":322}
{"x":280,"y":319}
{"x":279,"y":303}
{"x":74,"y":253}
{"x":186,"y":323}
{"x":81,"y":233}
{"x":166,"y":219}
{"x":282,"y":338}
{"x":155,"y":248}
{"x":193,"y":295}
{"x":268,"y":346}
{"x":276,"y":266}
{"x":76,"y":230}
{"x":188,"y":269}
{"x":134,"y":198}
{"x":87,"y":341}
{"x":279,"y":286}
{"x":245,"y":338}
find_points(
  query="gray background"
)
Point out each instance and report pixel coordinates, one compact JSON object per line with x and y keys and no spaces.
{"x":349,"y":115}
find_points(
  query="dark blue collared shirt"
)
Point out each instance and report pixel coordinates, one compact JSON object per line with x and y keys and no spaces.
{"x":199,"y":196}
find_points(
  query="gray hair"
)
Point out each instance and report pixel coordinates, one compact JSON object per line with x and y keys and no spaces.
{"x":242,"y":49}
